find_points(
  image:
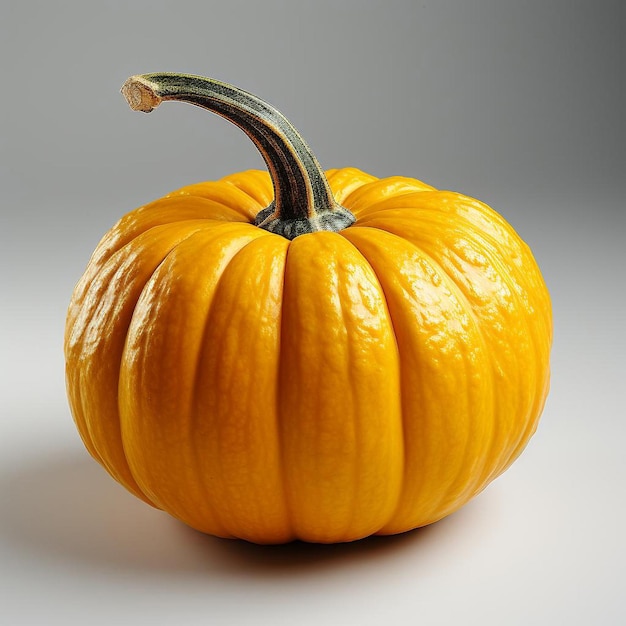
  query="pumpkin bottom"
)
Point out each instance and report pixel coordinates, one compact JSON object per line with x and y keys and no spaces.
{"x":320,"y":535}
{"x":325,"y":528}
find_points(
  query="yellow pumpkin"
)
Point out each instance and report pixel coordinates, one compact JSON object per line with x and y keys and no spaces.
{"x":305,"y":355}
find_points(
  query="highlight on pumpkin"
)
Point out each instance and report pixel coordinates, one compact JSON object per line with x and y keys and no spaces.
{"x":366,"y":366}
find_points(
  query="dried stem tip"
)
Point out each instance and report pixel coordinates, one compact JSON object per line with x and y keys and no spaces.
{"x":140,"y":94}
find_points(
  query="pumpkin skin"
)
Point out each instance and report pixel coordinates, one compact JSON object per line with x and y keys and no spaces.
{"x":325,"y":388}
{"x":328,"y":388}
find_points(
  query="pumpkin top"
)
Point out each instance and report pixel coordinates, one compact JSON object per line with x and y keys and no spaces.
{"x":303,"y":201}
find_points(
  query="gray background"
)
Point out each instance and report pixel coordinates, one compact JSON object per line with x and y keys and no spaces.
{"x":518,"y":103}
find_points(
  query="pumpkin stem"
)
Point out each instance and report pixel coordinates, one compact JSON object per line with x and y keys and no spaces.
{"x":303,"y":201}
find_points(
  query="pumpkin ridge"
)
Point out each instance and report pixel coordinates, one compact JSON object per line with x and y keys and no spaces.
{"x":182,"y":199}
{"x":492,"y":249}
{"x":228,"y":511}
{"x":514,"y":278}
{"x":118,"y":236}
{"x":481,"y":478}
{"x":206,"y":189}
{"x":119,"y":411}
{"x":403,"y":473}
{"x":342,"y":188}
{"x":383,"y":190}
{"x":521,"y":279}
{"x":427,"y":212}
{"x":115,"y":262}
{"x":381,"y":207}
{"x":125,"y":445}
{"x":497,"y":258}
{"x":514,"y":268}
{"x":205,"y":223}
{"x":215,"y":514}
{"x":330,"y":374}
{"x":281,"y":469}
{"x":459,"y":293}
{"x":252,"y":182}
{"x":452,"y":487}
{"x":350,"y":522}
{"x":96,"y":265}
{"x":358,"y":428}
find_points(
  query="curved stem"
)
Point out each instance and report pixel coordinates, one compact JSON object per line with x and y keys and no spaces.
{"x":303,"y":201}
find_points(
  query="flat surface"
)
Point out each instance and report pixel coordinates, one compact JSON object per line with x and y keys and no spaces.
{"x":521,"y":107}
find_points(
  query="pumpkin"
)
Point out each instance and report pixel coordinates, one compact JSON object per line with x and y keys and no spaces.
{"x":300,"y":354}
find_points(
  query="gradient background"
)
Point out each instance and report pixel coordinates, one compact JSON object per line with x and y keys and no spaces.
{"x":518,"y":103}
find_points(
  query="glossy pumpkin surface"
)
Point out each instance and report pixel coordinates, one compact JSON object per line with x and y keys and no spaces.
{"x":324,"y":388}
